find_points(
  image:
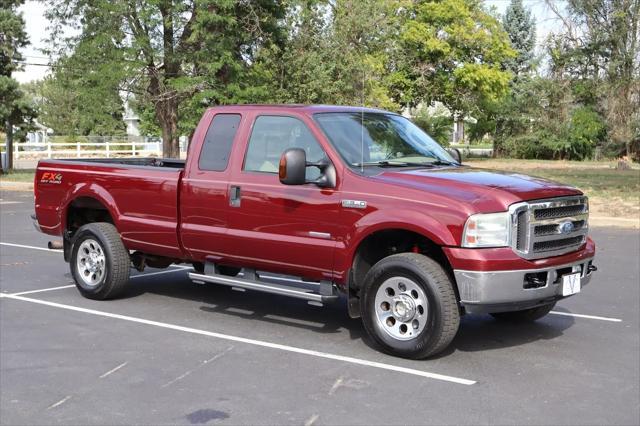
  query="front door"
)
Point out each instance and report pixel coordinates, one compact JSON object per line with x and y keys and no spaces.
{"x":276,"y":227}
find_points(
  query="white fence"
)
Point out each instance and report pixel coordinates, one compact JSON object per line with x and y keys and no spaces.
{"x":85,"y":149}
{"x":27,"y":154}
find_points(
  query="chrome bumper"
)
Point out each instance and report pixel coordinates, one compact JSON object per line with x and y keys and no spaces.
{"x":496,"y":291}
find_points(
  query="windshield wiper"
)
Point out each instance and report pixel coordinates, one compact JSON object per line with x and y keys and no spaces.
{"x":386,"y":163}
{"x":443,"y":163}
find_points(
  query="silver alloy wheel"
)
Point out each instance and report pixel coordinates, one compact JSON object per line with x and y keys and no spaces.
{"x":401,"y":308}
{"x":90,"y":262}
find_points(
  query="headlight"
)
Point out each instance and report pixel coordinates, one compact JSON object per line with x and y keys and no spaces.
{"x":487,"y":230}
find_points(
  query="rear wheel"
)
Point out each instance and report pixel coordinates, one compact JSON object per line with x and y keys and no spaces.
{"x":527,"y":315}
{"x":99,"y":261}
{"x":409,"y":306}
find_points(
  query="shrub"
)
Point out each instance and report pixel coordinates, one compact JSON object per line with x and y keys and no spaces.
{"x":575,"y":140}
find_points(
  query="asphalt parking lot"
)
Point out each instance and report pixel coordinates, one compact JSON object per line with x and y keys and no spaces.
{"x":171,"y":351}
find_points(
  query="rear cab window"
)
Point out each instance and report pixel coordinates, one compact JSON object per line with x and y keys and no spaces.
{"x":218,"y":142}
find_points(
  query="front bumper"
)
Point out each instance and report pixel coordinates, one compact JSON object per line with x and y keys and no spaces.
{"x":512,"y":290}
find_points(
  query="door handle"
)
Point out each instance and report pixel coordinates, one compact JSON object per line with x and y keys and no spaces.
{"x":234,"y":196}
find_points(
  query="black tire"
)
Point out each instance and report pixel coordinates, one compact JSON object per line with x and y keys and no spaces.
{"x":116,"y":262}
{"x":442,"y":314}
{"x":527,"y":315}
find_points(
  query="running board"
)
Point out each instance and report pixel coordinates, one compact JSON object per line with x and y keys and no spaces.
{"x":328,"y":292}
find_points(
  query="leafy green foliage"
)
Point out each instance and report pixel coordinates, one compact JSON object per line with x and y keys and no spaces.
{"x":177,"y":56}
{"x":452,"y":52}
{"x":574,"y":139}
{"x":16,"y":110}
{"x":436,"y":125}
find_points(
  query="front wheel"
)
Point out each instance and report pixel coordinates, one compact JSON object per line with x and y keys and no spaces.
{"x":527,"y":315}
{"x":99,"y":261}
{"x":409,"y":306}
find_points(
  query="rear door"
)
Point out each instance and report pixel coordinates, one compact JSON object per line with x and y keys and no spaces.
{"x":204,"y":199}
{"x":281,"y":228}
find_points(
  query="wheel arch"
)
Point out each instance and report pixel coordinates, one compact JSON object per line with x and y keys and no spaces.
{"x":83,"y":199}
{"x":383,"y":239}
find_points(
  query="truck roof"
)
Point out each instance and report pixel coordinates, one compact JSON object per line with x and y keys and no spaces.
{"x":308,"y":108}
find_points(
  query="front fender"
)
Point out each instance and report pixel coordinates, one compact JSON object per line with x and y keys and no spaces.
{"x":380,"y":220}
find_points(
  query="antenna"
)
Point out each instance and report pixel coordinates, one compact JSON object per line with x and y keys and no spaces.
{"x":362,"y":123}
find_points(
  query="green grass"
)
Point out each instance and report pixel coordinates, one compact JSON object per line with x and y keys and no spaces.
{"x":18,"y":176}
{"x":597,"y":179}
{"x":596,"y":182}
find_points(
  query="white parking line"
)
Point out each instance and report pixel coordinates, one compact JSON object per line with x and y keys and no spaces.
{"x":22,"y":293}
{"x":568,"y":314}
{"x":42,"y":289}
{"x":113,"y":370}
{"x":30,"y":247}
{"x":260,"y":343}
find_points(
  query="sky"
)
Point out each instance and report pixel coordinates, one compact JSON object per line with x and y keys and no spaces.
{"x":37,"y":29}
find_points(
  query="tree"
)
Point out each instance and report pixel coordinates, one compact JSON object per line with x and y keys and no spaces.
{"x":521,"y":28}
{"x":179,"y":56}
{"x":335,"y":52}
{"x":452,"y":52}
{"x":15,"y":110}
{"x":600,"y":44}
{"x":81,"y":103}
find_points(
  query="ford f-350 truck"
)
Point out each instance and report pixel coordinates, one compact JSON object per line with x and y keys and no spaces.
{"x":348,"y":200}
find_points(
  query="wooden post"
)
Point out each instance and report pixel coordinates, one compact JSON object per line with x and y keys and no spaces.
{"x":48,"y":149}
{"x":108,"y":151}
{"x":78,"y":149}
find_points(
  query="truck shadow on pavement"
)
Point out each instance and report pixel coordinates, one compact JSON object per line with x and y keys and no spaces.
{"x":483,"y":332}
{"x":476,"y":333}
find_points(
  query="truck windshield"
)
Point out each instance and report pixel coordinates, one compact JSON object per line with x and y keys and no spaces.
{"x":379,"y":139}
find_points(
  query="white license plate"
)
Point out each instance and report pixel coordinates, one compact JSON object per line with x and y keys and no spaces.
{"x":571,"y":284}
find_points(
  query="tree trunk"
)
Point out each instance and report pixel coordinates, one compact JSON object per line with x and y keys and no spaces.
{"x":167,"y":115}
{"x":9,"y":146}
{"x":458,"y":133}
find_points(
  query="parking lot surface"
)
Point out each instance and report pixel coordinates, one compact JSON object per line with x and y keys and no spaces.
{"x":174,"y":352}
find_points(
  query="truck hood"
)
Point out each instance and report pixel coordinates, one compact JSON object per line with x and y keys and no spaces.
{"x":486,"y":190}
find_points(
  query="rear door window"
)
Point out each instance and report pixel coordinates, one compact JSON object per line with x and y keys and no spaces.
{"x":218,"y":142}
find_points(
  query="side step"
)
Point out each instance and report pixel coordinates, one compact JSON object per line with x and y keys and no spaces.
{"x":328,"y":292}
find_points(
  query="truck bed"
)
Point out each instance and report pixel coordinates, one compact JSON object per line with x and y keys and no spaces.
{"x":139,"y":194}
{"x":144,"y":162}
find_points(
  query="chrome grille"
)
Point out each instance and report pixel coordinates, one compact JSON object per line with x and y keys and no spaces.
{"x":555,"y":212}
{"x":550,"y":227}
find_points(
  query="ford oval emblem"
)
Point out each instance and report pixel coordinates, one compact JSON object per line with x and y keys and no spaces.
{"x":566,"y":227}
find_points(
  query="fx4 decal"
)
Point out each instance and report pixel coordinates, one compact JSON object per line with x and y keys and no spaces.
{"x":51,"y":177}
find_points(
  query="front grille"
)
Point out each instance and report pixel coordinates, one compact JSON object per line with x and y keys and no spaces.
{"x":554,"y":228}
{"x":555,"y":212}
{"x":522,"y":230}
{"x":555,"y":244}
{"x":550,"y":227}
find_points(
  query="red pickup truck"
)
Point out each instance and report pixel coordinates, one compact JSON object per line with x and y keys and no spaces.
{"x":317,"y":201}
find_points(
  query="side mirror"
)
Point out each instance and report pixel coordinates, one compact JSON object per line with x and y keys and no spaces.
{"x":455,"y":153}
{"x":293,"y":166}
